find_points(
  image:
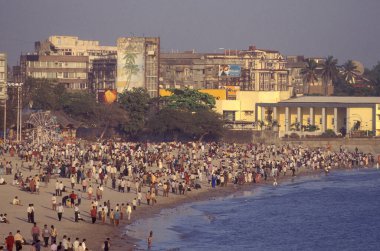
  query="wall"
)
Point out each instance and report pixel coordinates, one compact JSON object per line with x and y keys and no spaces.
{"x":362,"y":114}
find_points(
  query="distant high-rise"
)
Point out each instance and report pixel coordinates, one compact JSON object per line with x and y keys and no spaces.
{"x":138,"y":61}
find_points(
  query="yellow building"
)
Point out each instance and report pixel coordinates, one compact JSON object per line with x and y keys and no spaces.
{"x":345,"y":115}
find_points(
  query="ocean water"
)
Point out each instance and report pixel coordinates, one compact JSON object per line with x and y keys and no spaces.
{"x":340,"y":211}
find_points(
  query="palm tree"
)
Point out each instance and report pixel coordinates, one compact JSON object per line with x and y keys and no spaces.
{"x":130,"y":65}
{"x":309,"y":73}
{"x":349,"y":71}
{"x":329,"y":72}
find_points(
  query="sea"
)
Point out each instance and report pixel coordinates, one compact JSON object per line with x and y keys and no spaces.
{"x":340,"y":211}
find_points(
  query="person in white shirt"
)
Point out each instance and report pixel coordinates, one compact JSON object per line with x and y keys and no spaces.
{"x":54,"y":247}
{"x":60,"y":211}
{"x":128,"y":211}
{"x":76,"y":244}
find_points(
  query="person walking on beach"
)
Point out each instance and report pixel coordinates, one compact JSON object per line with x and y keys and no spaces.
{"x":53,"y":234}
{"x":46,"y":235}
{"x":30,"y":211}
{"x":19,"y":240}
{"x":9,"y":241}
{"x":117,"y":217}
{"x":93,"y":215}
{"x":150,"y":239}
{"x":60,"y":211}
{"x":106,"y":245}
{"x":128,"y":211}
{"x":54,"y":202}
{"x":35,"y":232}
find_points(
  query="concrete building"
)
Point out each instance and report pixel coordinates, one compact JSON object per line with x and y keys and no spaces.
{"x":101,"y":60}
{"x":102,"y":75}
{"x":346,"y":115}
{"x":138,"y":60}
{"x":251,"y":69}
{"x":73,"y":46}
{"x":72,"y":71}
{"x":3,"y":76}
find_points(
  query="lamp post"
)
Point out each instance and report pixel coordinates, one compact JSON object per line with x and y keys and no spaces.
{"x":5,"y":119}
{"x":19,"y":111}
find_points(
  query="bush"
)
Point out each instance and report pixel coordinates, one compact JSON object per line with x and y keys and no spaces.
{"x":329,"y":134}
{"x":294,"y":136}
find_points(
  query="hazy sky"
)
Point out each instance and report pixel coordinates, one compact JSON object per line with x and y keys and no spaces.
{"x":346,"y":29}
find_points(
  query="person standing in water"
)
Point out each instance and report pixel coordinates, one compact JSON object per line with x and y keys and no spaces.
{"x":150,"y":239}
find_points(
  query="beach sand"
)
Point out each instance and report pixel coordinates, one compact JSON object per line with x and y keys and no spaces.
{"x":96,"y":233}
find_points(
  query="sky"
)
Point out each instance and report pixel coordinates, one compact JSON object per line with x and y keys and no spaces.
{"x":345,"y":29}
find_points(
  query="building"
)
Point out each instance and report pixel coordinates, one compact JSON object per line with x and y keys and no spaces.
{"x":138,"y":60}
{"x":102,"y":75}
{"x":101,"y":60}
{"x":345,"y":115}
{"x":72,"y":71}
{"x":73,"y":46}
{"x":3,"y":76}
{"x":249,"y":70}
{"x":243,"y":110}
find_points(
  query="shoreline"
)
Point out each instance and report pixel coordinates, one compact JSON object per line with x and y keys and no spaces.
{"x":119,"y":238}
{"x":210,"y":194}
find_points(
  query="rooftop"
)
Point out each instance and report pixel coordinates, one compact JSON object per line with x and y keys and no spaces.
{"x":333,"y":99}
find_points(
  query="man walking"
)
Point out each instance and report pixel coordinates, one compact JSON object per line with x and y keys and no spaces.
{"x":46,"y":235}
{"x":35,"y":232}
{"x":60,"y":211}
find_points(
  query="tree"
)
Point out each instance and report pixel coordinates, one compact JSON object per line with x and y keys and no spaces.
{"x":186,"y":125}
{"x":309,"y":73}
{"x":136,"y":103}
{"x":189,"y":100}
{"x":329,"y":72}
{"x":349,"y":71}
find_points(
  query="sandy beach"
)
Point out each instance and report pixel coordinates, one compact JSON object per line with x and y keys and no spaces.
{"x":96,"y":234}
{"x":86,"y":230}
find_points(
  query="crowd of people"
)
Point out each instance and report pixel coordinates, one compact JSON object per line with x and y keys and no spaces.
{"x":85,"y":170}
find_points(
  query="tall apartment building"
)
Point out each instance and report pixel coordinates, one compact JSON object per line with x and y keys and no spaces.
{"x":72,"y":71}
{"x":3,"y":76}
{"x":101,"y":60}
{"x":252,"y":69}
{"x":138,"y":60}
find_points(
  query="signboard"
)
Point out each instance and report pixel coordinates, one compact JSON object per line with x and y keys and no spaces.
{"x":229,"y":70}
{"x":130,"y":63}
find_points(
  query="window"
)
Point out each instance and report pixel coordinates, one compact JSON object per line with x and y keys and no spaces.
{"x":65,"y":75}
{"x":248,"y":113}
{"x":229,"y":115}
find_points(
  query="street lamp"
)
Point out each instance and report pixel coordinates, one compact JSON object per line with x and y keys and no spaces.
{"x":19,"y":111}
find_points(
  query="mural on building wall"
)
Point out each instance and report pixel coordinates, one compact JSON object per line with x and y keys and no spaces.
{"x":130,"y":63}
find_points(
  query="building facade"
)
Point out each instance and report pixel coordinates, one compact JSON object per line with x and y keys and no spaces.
{"x":100,"y":59}
{"x":138,"y":60}
{"x":250,"y":70}
{"x":343,"y":115}
{"x":72,"y":71}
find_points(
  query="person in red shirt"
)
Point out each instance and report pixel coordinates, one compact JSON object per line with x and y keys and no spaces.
{"x":93,"y":214}
{"x":9,"y":241}
{"x":73,"y":197}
